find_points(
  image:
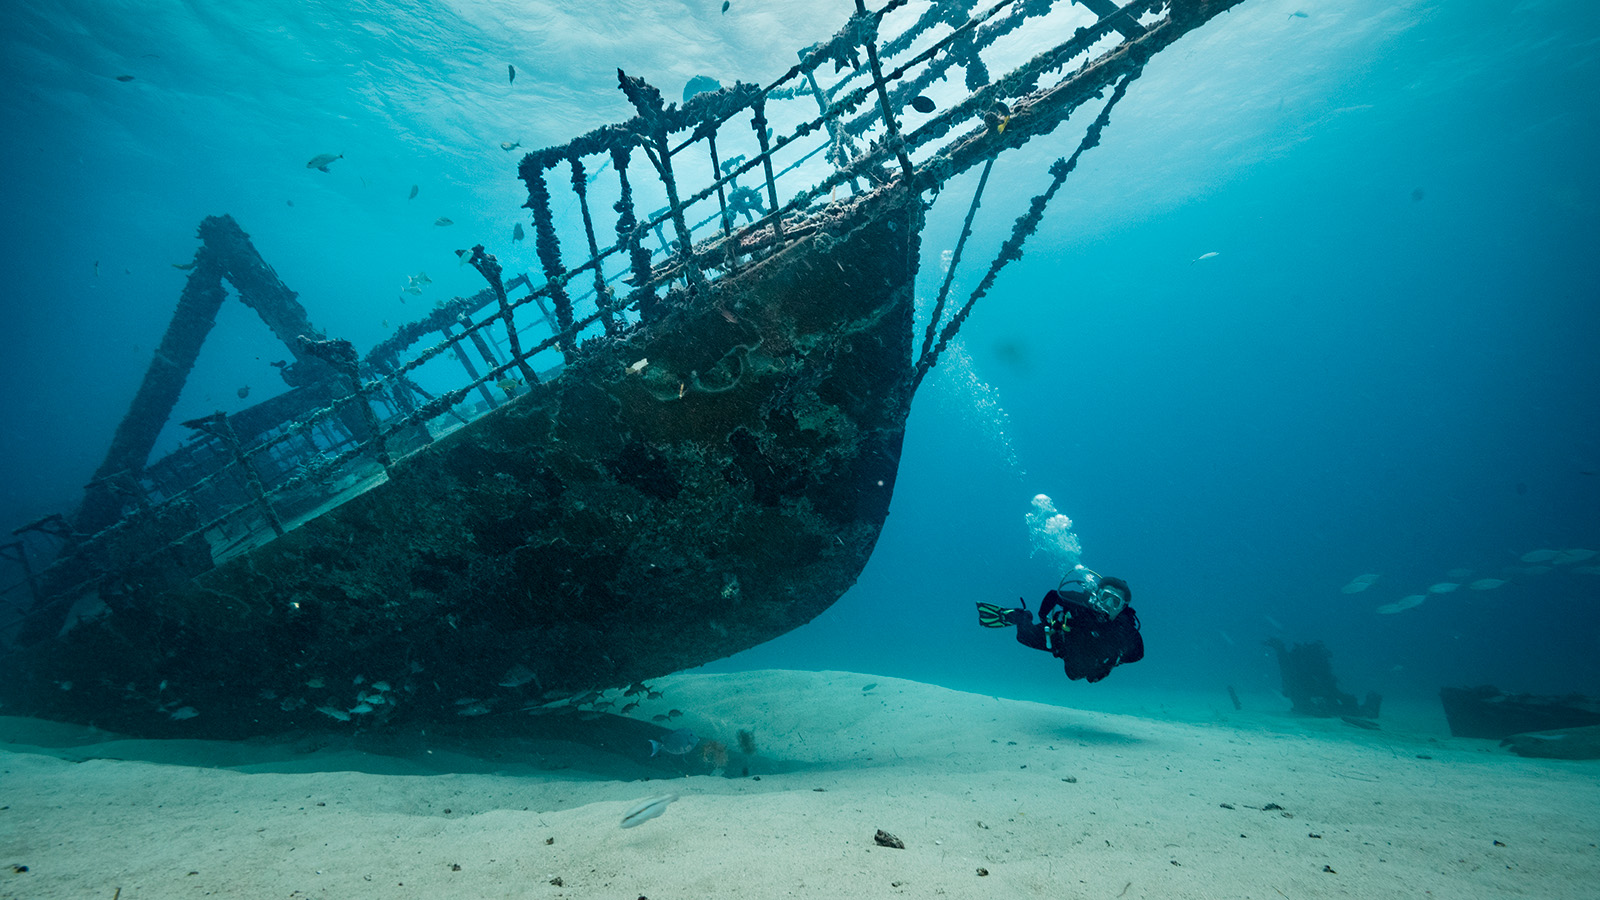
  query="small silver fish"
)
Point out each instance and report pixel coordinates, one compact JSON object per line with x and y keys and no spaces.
{"x":244,"y":392}
{"x":1401,"y":605}
{"x":509,"y":146}
{"x":517,"y":233}
{"x":1212,"y":255}
{"x":413,"y":195}
{"x":511,"y":74}
{"x":1443,"y":587}
{"x":645,"y":810}
{"x":442,"y":221}
{"x":321,"y":161}
{"x":1359,"y":584}
{"x":516,"y":676}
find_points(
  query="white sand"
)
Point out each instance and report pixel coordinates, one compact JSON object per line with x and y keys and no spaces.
{"x":968,"y":782}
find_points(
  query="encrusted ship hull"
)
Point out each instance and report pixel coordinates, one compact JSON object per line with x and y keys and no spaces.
{"x":711,"y":483}
{"x":710,"y":469}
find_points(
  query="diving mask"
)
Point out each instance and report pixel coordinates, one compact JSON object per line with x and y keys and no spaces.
{"x":1108,"y":601}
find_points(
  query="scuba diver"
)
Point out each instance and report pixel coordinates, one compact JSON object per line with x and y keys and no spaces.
{"x":1085,"y":622}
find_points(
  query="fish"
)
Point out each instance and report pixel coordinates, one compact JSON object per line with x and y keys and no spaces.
{"x":442,"y":221}
{"x":184,"y":712}
{"x":509,"y":146}
{"x":473,"y":709}
{"x":700,"y":84}
{"x":629,"y":707}
{"x":322,"y":161}
{"x":124,"y":78}
{"x":517,"y":676}
{"x":1486,"y":584}
{"x":653,"y":695}
{"x":1212,"y":255}
{"x":510,"y":385}
{"x":638,"y":367}
{"x":413,"y":194}
{"x":922,"y":104}
{"x":1359,"y":584}
{"x":1443,"y":587}
{"x":645,"y":810}
{"x":414,"y":283}
{"x":185,"y":268}
{"x":676,"y":743}
{"x":636,"y":688}
{"x":517,"y":233}
{"x":511,"y":74}
{"x":868,"y":687}
{"x":1534,"y":556}
{"x":725,"y":5}
{"x":1298,"y":14}
{"x":334,"y":713}
{"x":1572,"y":556}
{"x":244,"y":392}
{"x":1401,"y":605}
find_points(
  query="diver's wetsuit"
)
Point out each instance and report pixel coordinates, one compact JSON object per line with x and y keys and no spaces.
{"x":1088,"y":644}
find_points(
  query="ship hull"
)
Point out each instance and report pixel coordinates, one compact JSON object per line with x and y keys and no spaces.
{"x":714,"y":480}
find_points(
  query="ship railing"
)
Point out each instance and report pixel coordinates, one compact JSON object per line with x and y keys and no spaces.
{"x":1101,"y":45}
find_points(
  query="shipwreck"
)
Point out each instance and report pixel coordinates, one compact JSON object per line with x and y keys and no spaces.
{"x":676,"y":441}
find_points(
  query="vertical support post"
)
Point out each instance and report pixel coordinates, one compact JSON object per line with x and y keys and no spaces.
{"x":217,"y":426}
{"x":628,"y":234}
{"x":489,"y":268}
{"x":759,"y":123}
{"x":472,"y":370}
{"x":341,"y":355}
{"x":883,"y":99}
{"x":602,"y":294}
{"x":549,"y":248}
{"x":842,"y":152}
{"x":647,"y":100}
{"x":716,"y":177}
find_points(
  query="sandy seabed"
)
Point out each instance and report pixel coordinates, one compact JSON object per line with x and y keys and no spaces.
{"x":992,"y":798}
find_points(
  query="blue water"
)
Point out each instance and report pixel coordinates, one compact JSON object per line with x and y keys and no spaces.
{"x":1388,"y":366}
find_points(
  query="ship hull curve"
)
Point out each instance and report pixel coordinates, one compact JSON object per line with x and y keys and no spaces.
{"x":711,"y":481}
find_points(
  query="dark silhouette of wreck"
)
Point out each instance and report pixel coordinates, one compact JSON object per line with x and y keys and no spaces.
{"x":668,"y":452}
